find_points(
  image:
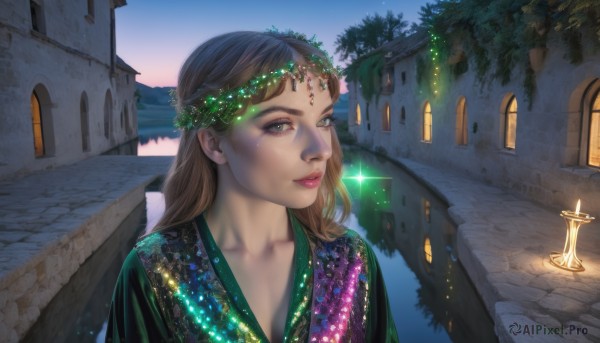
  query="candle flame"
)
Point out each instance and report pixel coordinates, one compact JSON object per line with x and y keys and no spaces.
{"x":578,"y":206}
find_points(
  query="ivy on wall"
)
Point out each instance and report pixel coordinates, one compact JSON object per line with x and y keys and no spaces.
{"x":500,"y":35}
{"x":367,"y":71}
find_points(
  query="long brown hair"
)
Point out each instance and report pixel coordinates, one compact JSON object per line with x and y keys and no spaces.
{"x":225,"y":62}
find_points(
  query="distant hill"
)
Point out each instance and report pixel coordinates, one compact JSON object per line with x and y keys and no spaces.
{"x":154,"y":95}
{"x":161,"y":96}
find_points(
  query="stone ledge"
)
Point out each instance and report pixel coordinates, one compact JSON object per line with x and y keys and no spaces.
{"x":54,"y":247}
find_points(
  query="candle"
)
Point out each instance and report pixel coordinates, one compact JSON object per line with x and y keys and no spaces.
{"x":578,"y":206}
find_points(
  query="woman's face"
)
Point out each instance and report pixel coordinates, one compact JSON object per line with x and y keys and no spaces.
{"x":280,"y":141}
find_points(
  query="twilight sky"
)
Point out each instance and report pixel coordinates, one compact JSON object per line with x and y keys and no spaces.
{"x":156,"y":36}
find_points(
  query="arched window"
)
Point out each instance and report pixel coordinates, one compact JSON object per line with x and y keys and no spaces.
{"x":358,"y":118}
{"x":427,"y":122}
{"x":38,"y":132}
{"x":385,"y":118}
{"x":461,"y":121}
{"x":510,"y":124}
{"x":85,"y":126}
{"x":108,"y":114}
{"x":594,"y":136}
{"x":427,"y":250}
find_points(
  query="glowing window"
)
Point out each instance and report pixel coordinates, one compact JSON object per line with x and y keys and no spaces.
{"x":36,"y":119}
{"x":510,"y":124}
{"x":461,"y":122}
{"x":386,"y":125}
{"x":427,"y":123}
{"x":358,"y":115}
{"x":427,"y":250}
{"x":594,"y":138}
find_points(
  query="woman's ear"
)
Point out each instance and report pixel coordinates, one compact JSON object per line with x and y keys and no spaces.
{"x":210,"y":142}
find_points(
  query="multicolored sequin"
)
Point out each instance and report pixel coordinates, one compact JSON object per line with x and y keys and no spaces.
{"x":340,"y":295}
{"x":333,"y":292}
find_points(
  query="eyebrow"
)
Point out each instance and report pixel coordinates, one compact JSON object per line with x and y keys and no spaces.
{"x":288,"y":110}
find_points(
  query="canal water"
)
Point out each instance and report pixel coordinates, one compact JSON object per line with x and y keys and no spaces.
{"x":431,"y":297}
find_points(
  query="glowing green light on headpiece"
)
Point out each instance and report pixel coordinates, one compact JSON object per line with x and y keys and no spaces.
{"x":226,"y":104}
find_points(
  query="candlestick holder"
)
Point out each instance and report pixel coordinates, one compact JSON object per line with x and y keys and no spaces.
{"x":568,"y":258}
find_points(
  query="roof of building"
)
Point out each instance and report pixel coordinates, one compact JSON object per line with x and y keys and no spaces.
{"x":126,"y":67}
{"x":119,"y":3}
{"x":403,"y":47}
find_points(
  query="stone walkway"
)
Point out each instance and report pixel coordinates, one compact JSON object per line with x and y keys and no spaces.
{"x":503,"y":243}
{"x":51,"y":222}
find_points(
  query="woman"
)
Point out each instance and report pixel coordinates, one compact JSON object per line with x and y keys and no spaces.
{"x":248,"y":249}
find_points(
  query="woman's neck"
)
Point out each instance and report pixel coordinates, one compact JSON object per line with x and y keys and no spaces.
{"x":248,"y":226}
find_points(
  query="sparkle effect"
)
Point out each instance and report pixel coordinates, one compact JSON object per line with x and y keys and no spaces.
{"x":357,"y":176}
{"x":434,"y":49}
{"x":330,"y":302}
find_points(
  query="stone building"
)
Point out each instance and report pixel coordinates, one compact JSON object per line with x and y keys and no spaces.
{"x":549,"y":151}
{"x":65,"y":93}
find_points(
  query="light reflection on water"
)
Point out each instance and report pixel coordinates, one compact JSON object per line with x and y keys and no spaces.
{"x":159,"y":146}
{"x":431,"y":298}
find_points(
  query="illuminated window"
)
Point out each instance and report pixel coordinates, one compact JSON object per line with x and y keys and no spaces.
{"x":85,"y":126}
{"x":385,"y":122}
{"x":358,"y":116}
{"x":427,"y":122}
{"x":427,"y":250}
{"x":594,"y":136}
{"x":461,"y":122}
{"x":36,"y":119}
{"x":510,"y":124}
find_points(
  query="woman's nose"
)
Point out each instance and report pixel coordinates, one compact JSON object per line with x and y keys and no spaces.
{"x":317,"y":144}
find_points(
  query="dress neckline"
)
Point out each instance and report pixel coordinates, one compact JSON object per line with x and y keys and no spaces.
{"x":301,"y":267}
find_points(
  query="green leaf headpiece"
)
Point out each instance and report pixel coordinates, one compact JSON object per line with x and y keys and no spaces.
{"x":225,"y":105}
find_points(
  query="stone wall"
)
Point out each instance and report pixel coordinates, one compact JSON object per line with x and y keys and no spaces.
{"x":68,"y":65}
{"x":546,"y":165}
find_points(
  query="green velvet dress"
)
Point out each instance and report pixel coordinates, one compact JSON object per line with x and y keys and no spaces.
{"x":176,"y":286}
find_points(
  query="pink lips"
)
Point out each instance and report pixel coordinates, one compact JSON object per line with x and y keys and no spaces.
{"x":311,"y":180}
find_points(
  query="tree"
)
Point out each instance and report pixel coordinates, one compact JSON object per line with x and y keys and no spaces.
{"x":374,"y":31}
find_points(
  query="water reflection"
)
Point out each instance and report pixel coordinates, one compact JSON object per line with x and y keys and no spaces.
{"x":415,"y":239}
{"x":431,"y":297}
{"x":78,"y":313}
{"x":158,"y":146}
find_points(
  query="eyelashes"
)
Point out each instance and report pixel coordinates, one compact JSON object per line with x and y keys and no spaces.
{"x":281,"y":126}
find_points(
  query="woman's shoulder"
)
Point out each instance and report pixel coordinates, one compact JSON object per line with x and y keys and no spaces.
{"x":171,"y":238}
{"x":350,"y":242}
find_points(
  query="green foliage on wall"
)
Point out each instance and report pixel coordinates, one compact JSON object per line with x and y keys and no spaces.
{"x":498,"y":35}
{"x":367,"y":71}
